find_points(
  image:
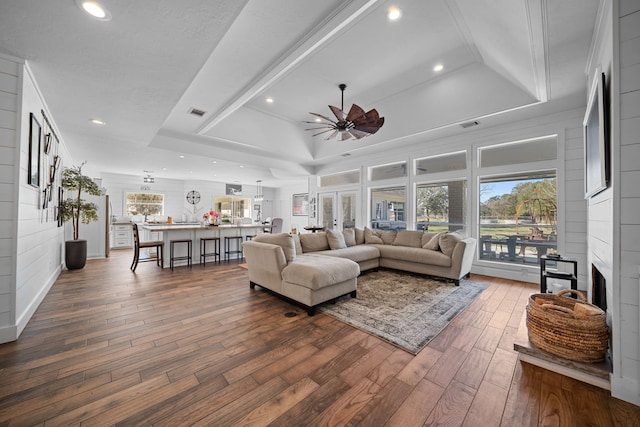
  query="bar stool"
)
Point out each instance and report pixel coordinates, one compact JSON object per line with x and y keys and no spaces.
{"x":203,"y":249}
{"x":177,"y":258}
{"x":227,"y":247}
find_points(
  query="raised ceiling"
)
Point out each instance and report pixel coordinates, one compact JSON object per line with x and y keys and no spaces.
{"x":146,"y":68}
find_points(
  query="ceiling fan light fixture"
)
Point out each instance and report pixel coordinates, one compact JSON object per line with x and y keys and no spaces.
{"x":355,"y":124}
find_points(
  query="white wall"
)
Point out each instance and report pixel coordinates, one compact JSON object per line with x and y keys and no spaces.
{"x":626,"y":204}
{"x":31,"y":244}
{"x":9,"y":159}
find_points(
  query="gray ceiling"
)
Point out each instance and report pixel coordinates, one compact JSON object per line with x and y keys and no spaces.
{"x":142,"y":72}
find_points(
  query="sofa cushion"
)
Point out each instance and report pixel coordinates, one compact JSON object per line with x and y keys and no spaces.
{"x":284,"y":240}
{"x":410,"y":238}
{"x":431,"y":241}
{"x":313,"y":242}
{"x":336,"y":239}
{"x":358,"y":253}
{"x":349,"y":236}
{"x":448,"y":242}
{"x":359,"y":232}
{"x":417,"y":255}
{"x":372,"y":237}
{"x":318,"y":271}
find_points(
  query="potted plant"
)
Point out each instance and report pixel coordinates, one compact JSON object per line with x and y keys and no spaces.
{"x":76,"y":210}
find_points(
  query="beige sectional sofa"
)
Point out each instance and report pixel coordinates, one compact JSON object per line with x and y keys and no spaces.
{"x":312,"y":268}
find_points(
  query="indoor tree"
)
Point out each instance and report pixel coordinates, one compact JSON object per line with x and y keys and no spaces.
{"x":76,"y":209}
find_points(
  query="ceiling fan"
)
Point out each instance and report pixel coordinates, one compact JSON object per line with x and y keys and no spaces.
{"x":356,"y":124}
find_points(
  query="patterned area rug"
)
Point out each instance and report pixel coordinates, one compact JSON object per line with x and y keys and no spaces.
{"x":405,"y":309}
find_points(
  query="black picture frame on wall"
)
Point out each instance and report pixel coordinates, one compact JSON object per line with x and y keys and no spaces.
{"x":595,"y":130}
{"x":33,"y":177}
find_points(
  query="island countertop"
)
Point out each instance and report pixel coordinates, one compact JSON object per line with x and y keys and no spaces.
{"x":192,"y":227}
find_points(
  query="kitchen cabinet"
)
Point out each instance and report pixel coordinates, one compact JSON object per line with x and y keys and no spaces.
{"x":121,"y":236}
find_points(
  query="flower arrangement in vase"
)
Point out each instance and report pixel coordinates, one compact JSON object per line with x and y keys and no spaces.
{"x":211,"y":217}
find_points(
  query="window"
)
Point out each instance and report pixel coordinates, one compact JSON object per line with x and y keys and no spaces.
{"x":441,"y":206}
{"x":443,"y":163}
{"x":144,"y":204}
{"x":382,"y":172}
{"x":388,"y":208}
{"x":511,"y":153}
{"x":518,"y":217}
{"x":343,"y":178}
{"x":232,"y":209}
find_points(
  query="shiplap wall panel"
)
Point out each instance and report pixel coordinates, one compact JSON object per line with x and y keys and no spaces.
{"x":629,"y":124}
{"x":8,"y":141}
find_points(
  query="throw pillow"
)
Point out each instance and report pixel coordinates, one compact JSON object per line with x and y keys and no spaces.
{"x":297,"y":244}
{"x":359,"y":236}
{"x":336,"y":240}
{"x":284,"y":240}
{"x":371,"y":236}
{"x":349,"y":236}
{"x":314,"y":242}
{"x":388,"y":236}
{"x":409,"y":238}
{"x":432,"y":243}
{"x":448,"y":242}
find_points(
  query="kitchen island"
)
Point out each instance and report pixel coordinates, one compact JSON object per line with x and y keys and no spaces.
{"x":168,"y":232}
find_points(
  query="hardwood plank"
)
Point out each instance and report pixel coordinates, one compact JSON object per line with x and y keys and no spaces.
{"x":198,"y":346}
{"x":487,"y":406}
{"x":417,"y":406}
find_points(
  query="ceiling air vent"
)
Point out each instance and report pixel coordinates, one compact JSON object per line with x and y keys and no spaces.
{"x":469,"y":124}
{"x":197,"y":112}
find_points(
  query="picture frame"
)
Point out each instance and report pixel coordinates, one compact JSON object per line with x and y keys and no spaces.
{"x":233,"y":189}
{"x":256,"y":207}
{"x":300,"y":204}
{"x":33,"y":174}
{"x":595,"y":131}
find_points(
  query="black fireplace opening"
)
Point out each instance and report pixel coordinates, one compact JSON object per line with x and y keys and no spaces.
{"x":598,"y":288}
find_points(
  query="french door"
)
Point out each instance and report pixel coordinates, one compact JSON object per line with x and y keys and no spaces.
{"x":337,"y":210}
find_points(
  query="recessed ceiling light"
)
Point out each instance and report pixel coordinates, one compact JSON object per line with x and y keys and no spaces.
{"x":269,"y":100}
{"x":97,"y":122}
{"x":394,"y":13}
{"x":241,"y":166}
{"x":214,"y":162}
{"x":318,"y":119}
{"x":164,"y":169}
{"x":438,"y":67}
{"x":95,"y":9}
{"x":182,"y":156}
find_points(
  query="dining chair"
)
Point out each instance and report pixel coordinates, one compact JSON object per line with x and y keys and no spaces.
{"x":138,"y":246}
{"x":276,"y":225}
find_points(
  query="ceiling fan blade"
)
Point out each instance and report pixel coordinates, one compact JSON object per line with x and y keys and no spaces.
{"x":322,"y":117}
{"x":345,"y":135}
{"x":333,"y":135}
{"x":355,"y":113}
{"x":370,"y":127}
{"x":321,"y":127}
{"x":324,"y":131}
{"x":358,"y":134}
{"x":337,"y":112}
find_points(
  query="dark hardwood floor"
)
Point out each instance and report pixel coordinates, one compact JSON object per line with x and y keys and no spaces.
{"x":198,"y":347}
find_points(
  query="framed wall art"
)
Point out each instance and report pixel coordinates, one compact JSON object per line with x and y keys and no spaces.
{"x":596,"y":145}
{"x":300,"y":204}
{"x":33,"y":177}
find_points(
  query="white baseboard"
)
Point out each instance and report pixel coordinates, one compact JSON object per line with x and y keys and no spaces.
{"x":35,"y":303}
{"x":627,"y":389}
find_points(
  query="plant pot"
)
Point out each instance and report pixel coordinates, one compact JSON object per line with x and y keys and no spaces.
{"x":75,"y":254}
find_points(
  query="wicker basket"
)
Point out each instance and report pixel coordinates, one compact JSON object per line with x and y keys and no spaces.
{"x":554,"y":327}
